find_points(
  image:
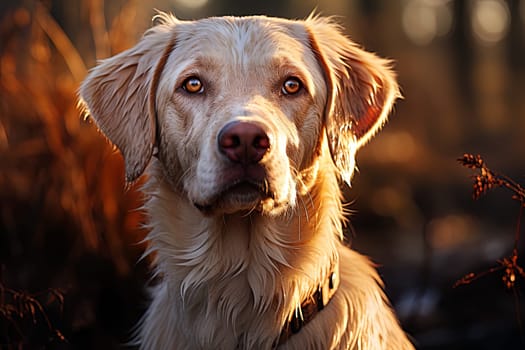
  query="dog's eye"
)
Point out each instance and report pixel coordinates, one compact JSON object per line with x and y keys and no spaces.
{"x":291,"y":86}
{"x":193,"y":85}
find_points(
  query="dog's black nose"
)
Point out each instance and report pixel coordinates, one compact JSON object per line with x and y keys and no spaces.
{"x":243,"y":142}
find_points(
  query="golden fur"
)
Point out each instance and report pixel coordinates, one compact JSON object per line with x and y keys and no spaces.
{"x":235,"y":262}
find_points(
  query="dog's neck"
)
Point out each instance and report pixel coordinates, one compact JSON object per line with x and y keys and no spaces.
{"x":245,"y":272}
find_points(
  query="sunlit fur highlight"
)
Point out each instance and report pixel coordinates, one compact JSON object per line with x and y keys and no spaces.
{"x":232,"y":279}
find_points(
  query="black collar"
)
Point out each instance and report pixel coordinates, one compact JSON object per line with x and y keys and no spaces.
{"x":311,"y":306}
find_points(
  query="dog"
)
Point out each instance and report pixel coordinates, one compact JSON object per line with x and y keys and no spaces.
{"x":246,"y":128}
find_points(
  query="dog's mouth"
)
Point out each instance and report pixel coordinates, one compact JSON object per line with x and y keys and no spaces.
{"x":242,"y":195}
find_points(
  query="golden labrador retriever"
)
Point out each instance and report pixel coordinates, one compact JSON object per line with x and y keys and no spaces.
{"x":246,"y":125}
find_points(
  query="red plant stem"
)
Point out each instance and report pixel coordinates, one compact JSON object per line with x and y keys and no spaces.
{"x":518,"y":230}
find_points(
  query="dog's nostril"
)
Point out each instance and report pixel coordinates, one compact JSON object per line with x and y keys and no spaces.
{"x":243,"y":142}
{"x":261,"y":142}
{"x":230,"y":141}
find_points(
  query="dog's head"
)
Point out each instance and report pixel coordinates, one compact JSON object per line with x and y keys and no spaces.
{"x":239,"y":110}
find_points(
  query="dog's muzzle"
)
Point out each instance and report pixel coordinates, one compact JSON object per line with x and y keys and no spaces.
{"x":243,"y":146}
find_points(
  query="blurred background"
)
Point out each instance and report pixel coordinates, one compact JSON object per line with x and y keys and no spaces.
{"x":70,"y":234}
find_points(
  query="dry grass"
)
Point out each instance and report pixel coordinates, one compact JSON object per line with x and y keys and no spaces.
{"x":62,"y":194}
{"x":17,"y":307}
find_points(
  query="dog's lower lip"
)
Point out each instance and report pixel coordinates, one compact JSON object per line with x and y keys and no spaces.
{"x":247,"y":187}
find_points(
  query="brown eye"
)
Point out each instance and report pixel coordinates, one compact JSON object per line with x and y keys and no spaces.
{"x":291,"y":86}
{"x":193,"y":85}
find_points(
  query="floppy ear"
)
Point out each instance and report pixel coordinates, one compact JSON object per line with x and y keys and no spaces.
{"x":361,"y":91}
{"x":119,"y":94}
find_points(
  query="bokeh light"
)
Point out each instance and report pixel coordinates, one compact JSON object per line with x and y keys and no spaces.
{"x":191,"y":4}
{"x":490,"y":20}
{"x":424,"y":20}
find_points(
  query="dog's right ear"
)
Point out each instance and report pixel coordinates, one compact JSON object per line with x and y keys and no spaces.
{"x":119,"y":94}
{"x":361,"y":89}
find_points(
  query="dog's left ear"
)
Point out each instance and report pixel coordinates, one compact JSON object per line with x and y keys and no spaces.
{"x":361,"y":91}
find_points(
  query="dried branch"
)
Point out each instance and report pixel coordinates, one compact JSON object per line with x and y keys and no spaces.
{"x":484,"y":181}
{"x":488,"y":179}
